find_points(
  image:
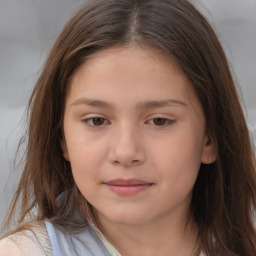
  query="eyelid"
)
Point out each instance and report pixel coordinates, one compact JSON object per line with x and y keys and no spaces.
{"x":168,"y":120}
{"x":86,"y":121}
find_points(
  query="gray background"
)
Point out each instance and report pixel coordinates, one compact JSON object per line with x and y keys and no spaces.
{"x":29,"y":27}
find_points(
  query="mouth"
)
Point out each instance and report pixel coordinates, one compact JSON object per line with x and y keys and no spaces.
{"x":128,"y":187}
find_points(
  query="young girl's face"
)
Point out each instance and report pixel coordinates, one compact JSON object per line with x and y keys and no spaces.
{"x":135,"y":136}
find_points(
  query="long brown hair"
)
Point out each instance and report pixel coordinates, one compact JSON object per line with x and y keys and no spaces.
{"x":224,"y":196}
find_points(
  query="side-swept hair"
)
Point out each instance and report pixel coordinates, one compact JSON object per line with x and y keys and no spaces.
{"x":223,"y":201}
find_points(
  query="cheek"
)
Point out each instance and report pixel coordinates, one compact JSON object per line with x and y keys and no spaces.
{"x":178,"y":157}
{"x":179,"y":150}
{"x":86,"y":163}
{"x":86,"y":159}
{"x":83,"y":146}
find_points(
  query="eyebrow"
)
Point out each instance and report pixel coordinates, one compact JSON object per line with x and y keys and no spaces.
{"x":142,"y":105}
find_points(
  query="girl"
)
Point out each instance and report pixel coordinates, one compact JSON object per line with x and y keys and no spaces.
{"x":137,"y":143}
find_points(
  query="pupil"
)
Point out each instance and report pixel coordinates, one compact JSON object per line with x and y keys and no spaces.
{"x":159,"y":121}
{"x":98,"y":121}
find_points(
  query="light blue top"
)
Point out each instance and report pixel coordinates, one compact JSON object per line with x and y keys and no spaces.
{"x":86,"y":243}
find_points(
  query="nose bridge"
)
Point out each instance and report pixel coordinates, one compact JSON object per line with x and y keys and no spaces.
{"x":126,"y":132}
{"x":127,"y":148}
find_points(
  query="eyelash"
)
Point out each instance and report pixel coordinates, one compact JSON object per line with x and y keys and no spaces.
{"x":89,"y":121}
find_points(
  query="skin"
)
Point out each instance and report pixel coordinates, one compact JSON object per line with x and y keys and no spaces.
{"x":127,"y":141}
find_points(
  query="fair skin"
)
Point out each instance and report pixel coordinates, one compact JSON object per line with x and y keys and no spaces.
{"x":135,"y":137}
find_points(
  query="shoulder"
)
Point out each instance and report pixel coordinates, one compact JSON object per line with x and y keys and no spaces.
{"x":22,"y":243}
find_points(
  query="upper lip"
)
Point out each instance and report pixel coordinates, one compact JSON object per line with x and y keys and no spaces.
{"x":126,"y":182}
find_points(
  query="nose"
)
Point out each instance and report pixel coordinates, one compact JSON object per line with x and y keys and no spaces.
{"x":126,"y":148}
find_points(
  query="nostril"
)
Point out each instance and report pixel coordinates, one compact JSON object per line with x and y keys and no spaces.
{"x":127,"y":163}
{"x":126,"y":155}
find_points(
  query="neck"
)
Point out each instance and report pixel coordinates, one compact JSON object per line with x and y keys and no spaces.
{"x":177,"y":238}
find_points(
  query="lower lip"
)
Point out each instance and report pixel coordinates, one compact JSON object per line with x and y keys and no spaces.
{"x":127,"y":190}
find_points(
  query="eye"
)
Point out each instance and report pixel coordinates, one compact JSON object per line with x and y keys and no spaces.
{"x":160,"y":121}
{"x":96,"y":121}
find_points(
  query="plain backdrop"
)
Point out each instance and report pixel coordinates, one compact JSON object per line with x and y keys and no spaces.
{"x":28,"y":29}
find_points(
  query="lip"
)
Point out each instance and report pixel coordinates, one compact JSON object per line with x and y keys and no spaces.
{"x":128,"y":187}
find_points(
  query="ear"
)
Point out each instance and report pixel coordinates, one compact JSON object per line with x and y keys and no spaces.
{"x":64,"y":149}
{"x":209,"y":153}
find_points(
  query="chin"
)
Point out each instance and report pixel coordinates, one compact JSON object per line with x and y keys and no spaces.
{"x":127,"y":218}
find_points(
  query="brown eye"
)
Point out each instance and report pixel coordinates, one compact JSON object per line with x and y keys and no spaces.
{"x":98,"y":121}
{"x":160,"y":121}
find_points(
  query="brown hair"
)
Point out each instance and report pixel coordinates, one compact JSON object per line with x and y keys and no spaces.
{"x":223,"y":200}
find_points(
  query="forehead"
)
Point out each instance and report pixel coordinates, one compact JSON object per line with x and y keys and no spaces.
{"x":132,"y":56}
{"x":130,"y":74}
